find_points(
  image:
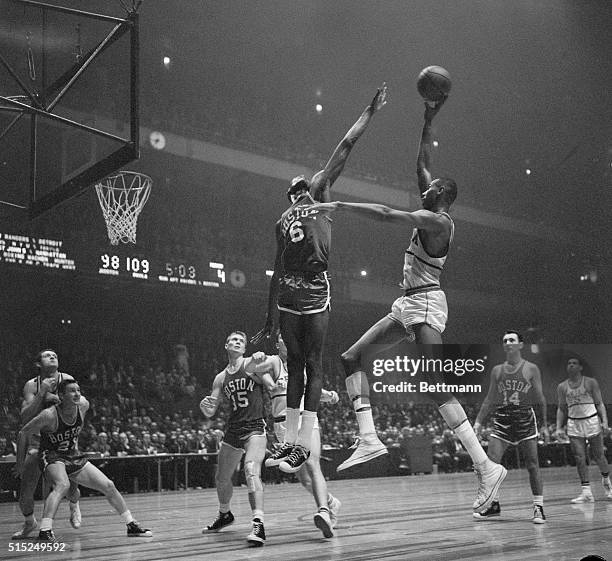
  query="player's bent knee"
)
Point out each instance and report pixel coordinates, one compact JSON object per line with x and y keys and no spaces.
{"x":349,"y":358}
{"x":61,"y":487}
{"x":253,"y":478}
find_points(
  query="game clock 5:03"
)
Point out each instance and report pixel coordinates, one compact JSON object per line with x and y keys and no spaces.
{"x":169,"y":271}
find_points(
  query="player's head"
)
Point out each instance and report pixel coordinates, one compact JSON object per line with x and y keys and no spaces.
{"x":574,"y":365}
{"x":236,"y":342}
{"x":440,"y":194}
{"x":299,"y":186}
{"x":69,"y":389}
{"x":47,"y":360}
{"x":512,"y":340}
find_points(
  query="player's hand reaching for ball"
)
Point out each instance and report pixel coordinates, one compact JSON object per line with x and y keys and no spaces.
{"x":432,"y":108}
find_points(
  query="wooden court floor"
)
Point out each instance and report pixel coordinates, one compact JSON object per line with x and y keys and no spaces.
{"x":424,"y":517}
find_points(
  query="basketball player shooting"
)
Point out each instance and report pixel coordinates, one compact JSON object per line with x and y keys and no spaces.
{"x":420,"y":315}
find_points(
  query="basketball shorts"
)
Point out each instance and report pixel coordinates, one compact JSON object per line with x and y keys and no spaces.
{"x":237,"y":437}
{"x":422,"y":307}
{"x":584,"y":428}
{"x":304,"y":293}
{"x":513,"y":425}
{"x":280,"y":427}
{"x":73,"y":463}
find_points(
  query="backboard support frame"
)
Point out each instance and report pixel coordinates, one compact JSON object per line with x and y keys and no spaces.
{"x":39,"y":106}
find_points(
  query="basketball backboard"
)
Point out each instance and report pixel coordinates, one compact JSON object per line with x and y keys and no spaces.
{"x":68,"y":100}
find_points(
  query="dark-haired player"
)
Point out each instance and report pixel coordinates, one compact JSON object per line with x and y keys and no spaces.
{"x":419,"y":315}
{"x":514,"y":387}
{"x":581,"y":404}
{"x":61,"y":461}
{"x":39,"y":393}
{"x":300,"y":289}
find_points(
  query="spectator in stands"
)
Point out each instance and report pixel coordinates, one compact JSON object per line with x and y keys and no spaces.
{"x":101,"y":445}
{"x":147,"y":445}
{"x":120,"y":447}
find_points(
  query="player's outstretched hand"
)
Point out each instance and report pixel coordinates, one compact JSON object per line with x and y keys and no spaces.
{"x":263,"y":334}
{"x":380,"y":99}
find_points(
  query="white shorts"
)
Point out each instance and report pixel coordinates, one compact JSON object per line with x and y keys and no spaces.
{"x":422,"y":307}
{"x":584,"y":428}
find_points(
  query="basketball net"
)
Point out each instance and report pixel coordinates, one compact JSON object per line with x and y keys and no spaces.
{"x":122,"y":196}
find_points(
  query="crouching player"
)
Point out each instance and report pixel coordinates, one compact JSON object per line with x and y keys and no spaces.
{"x":61,"y":461}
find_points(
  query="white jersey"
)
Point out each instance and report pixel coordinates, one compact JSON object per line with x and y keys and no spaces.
{"x":421,"y":270}
{"x":580,"y":402}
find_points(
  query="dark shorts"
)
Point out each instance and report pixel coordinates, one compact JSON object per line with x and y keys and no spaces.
{"x":513,"y":425}
{"x":73,"y":463}
{"x":303,"y":293}
{"x":237,"y":437}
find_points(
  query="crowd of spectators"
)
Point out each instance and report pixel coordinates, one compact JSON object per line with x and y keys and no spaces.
{"x":144,"y":407}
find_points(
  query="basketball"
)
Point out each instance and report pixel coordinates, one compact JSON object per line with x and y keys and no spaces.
{"x":433,"y":83}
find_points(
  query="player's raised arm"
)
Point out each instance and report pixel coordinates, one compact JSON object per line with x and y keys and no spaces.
{"x":424,"y":155}
{"x":270,"y":325}
{"x":324,"y":179}
{"x":422,"y":219}
{"x":209,"y":404}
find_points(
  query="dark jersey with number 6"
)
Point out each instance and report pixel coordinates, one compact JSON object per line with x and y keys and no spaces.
{"x":245,"y":397}
{"x":306,"y":237}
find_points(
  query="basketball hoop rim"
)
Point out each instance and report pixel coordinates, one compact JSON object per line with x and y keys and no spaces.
{"x":147,"y":178}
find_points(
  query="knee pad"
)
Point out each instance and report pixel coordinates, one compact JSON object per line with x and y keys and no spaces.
{"x":253,"y":479}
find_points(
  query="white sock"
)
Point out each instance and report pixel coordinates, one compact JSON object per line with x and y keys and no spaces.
{"x":304,"y":438}
{"x":293,"y":423}
{"x":456,"y":419}
{"x":46,"y":524}
{"x":258,"y":514}
{"x":365,"y":421}
{"x":127,"y":517}
{"x":538,"y":500}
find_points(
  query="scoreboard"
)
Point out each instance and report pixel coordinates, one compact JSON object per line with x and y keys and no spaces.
{"x":120,"y":262}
